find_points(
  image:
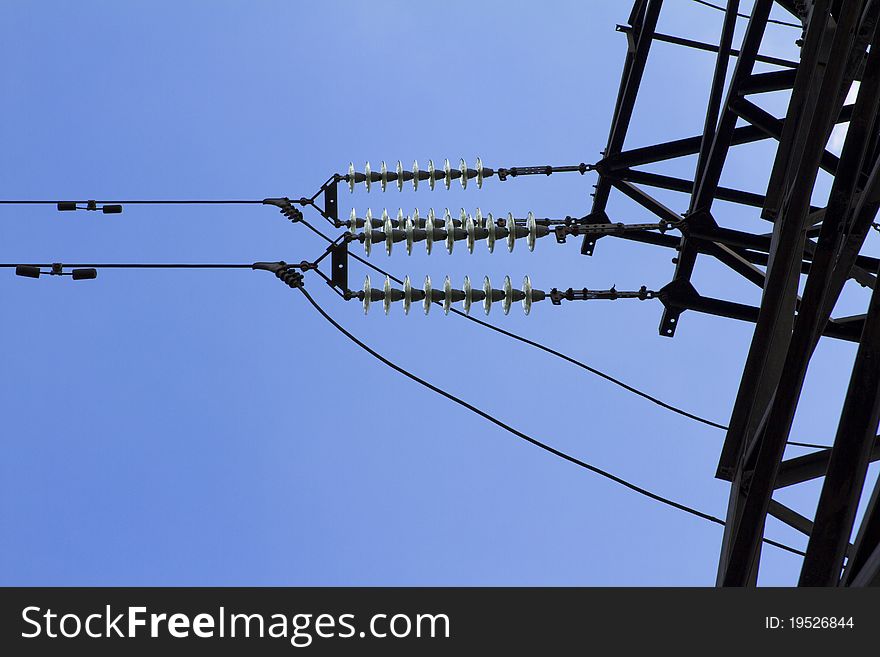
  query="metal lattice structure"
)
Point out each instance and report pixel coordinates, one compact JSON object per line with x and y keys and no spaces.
{"x":817,"y":246}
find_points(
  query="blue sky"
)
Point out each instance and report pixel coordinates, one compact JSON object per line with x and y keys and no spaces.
{"x":208,"y":428}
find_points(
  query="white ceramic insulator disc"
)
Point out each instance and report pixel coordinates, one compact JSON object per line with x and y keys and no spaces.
{"x":427,"y":302}
{"x":407,"y":295}
{"x":447,"y":295}
{"x":409,"y":236}
{"x":487,"y":290}
{"x":387,"y":290}
{"x":450,"y":231}
{"x":367,"y":291}
{"x":511,"y":232}
{"x":368,"y":232}
{"x":533,"y":231}
{"x":527,"y":299}
{"x":490,"y":227}
{"x":389,"y":231}
{"x":508,"y":295}
{"x":429,"y":230}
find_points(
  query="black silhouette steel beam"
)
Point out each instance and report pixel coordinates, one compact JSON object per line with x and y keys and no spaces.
{"x":819,"y":83}
{"x":850,"y":457}
{"x":718,"y":136}
{"x":804,"y":468}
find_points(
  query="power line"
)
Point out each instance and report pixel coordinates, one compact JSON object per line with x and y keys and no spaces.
{"x":137,"y":202}
{"x":534,"y":441}
{"x":497,"y":329}
{"x":811,"y":445}
{"x":141,"y":265}
{"x":492,"y":327}
{"x":769,"y":20}
{"x":559,"y":354}
{"x":542,"y":347}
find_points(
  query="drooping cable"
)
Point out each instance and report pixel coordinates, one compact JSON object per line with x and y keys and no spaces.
{"x":534,"y":441}
{"x":540,"y":346}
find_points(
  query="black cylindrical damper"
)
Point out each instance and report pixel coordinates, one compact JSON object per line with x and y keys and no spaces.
{"x":66,"y":206}
{"x":112,"y":209}
{"x":84,"y":274}
{"x":27,"y":271}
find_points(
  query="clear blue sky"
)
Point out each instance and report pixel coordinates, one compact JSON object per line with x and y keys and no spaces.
{"x":206,"y":428}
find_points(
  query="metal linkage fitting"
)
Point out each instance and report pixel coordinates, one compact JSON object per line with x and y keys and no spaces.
{"x":287,"y":274}
{"x":557,"y":296}
{"x":285,"y":205}
{"x":599,"y":229}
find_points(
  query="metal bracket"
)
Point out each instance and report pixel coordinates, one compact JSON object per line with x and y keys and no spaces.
{"x":331,"y":208}
{"x":590,"y":240}
{"x":339,"y":265}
